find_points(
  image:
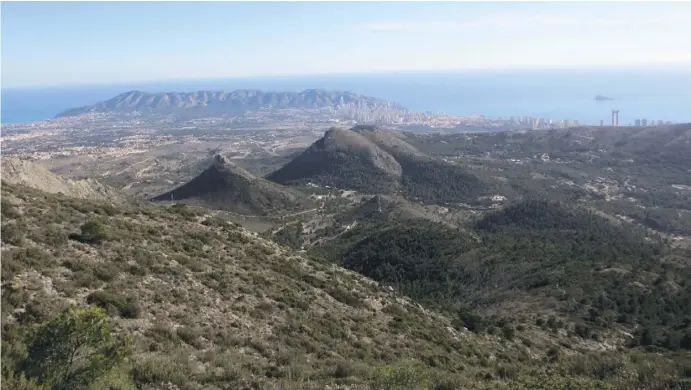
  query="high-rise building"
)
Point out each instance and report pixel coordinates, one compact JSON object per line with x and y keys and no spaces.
{"x":660,"y":122}
{"x":644,"y":122}
{"x":638,"y":122}
{"x":602,"y":122}
{"x":615,"y":118}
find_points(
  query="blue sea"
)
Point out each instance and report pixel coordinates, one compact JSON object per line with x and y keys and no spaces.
{"x":653,"y":94}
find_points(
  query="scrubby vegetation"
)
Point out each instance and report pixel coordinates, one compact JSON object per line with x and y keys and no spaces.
{"x":225,"y":186}
{"x":379,"y":163}
{"x":523,"y":299}
{"x":535,"y":263}
{"x":75,"y":350}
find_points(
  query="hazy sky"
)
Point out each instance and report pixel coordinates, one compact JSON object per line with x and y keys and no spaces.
{"x":81,"y":43}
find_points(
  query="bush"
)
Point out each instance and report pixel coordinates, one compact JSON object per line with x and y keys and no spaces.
{"x":74,"y":350}
{"x":471,"y":321}
{"x":343,"y":369}
{"x":190,"y":336}
{"x":13,"y":233}
{"x":508,"y":331}
{"x":401,"y":375}
{"x":14,"y":381}
{"x":8,"y":210}
{"x":347,"y":297}
{"x":582,"y":330}
{"x":159,"y":371}
{"x":106,"y":272}
{"x":125,"y":307}
{"x":92,"y":232}
{"x":16,"y":260}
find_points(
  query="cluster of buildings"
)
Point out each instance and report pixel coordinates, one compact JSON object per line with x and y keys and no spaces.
{"x":540,"y":123}
{"x":389,"y":114}
{"x":547,"y":123}
{"x":638,"y":122}
{"x":381,"y":114}
{"x":644,"y":122}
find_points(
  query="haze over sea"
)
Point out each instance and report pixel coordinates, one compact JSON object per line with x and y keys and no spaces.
{"x":654,"y":94}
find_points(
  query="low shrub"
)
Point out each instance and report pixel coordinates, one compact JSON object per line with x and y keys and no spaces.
{"x":126,"y":307}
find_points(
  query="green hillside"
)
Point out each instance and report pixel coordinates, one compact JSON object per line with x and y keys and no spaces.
{"x":192,"y":302}
{"x":535,"y":260}
{"x":378,"y":161}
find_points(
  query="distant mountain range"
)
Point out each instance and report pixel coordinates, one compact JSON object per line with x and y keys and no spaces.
{"x":217,"y":103}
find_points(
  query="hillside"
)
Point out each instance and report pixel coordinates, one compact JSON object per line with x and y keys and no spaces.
{"x":383,"y":208}
{"x":209,"y":305}
{"x":533,"y":260}
{"x":28,"y":173}
{"x":633,"y":173}
{"x":225,"y":186}
{"x":343,"y":159}
{"x":219,"y":103}
{"x":344,"y":211}
{"x":668,"y":146}
{"x":379,"y":161}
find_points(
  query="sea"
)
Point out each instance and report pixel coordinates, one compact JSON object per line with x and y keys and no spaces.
{"x":652,"y":94}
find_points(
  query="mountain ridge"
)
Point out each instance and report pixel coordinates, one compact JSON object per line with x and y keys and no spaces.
{"x":236,"y":102}
{"x":31,"y":174}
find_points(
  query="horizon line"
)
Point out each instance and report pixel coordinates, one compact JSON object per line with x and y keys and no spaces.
{"x":668,"y":66}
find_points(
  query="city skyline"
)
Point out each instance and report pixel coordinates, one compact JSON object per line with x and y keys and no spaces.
{"x":56,"y":43}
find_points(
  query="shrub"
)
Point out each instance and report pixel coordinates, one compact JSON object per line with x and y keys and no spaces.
{"x":401,"y":375}
{"x":125,"y":307}
{"x":190,"y":336}
{"x":13,"y":233}
{"x":507,"y":371}
{"x":508,"y":331}
{"x":19,"y":382}
{"x":74,"y":350}
{"x":159,"y":371}
{"x":471,"y":321}
{"x":106,"y":272}
{"x":8,"y":210}
{"x":343,"y":369}
{"x":92,"y":232}
{"x":347,"y":297}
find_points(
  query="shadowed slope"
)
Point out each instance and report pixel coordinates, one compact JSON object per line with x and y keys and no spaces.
{"x":344,"y":159}
{"x":226,"y":186}
{"x":374,"y":160}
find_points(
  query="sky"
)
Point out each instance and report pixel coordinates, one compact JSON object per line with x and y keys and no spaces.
{"x":81,"y":43}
